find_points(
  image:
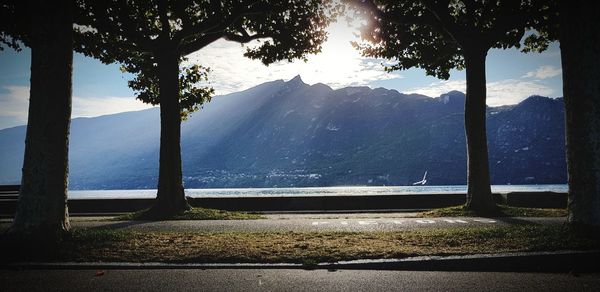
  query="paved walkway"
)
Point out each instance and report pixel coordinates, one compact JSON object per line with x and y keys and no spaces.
{"x":351,"y":222}
{"x":355,"y":222}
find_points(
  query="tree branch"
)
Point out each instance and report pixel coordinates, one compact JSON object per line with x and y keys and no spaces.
{"x":439,"y":10}
{"x":509,"y":17}
{"x":144,"y":44}
{"x":199,"y":43}
{"x":123,"y":27}
{"x":396,"y":17}
{"x":163,"y":18}
{"x":212,"y":33}
{"x":244,"y":38}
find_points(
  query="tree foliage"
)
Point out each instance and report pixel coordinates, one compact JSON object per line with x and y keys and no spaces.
{"x":434,"y":34}
{"x":137,"y":31}
{"x":545,"y":25}
{"x":192,"y":95}
{"x":14,"y":24}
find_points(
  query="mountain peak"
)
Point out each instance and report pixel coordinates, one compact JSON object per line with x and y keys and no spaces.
{"x":536,"y":98}
{"x":455,"y":92}
{"x":535,"y":101}
{"x":296,"y":80}
{"x":454,"y":97}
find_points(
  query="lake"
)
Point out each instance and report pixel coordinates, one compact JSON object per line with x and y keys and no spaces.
{"x":311,"y":191}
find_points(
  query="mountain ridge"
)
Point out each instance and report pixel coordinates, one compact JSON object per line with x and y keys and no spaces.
{"x":293,"y":134}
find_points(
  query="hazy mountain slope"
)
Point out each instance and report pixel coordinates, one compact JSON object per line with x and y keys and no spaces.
{"x":292,"y":134}
{"x":12,"y":147}
{"x":528,"y":142}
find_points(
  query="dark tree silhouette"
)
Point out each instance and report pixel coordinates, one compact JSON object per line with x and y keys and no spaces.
{"x":575,"y":26}
{"x":580,"y":53}
{"x":155,"y":35}
{"x":439,"y":35}
{"x":46,"y":27}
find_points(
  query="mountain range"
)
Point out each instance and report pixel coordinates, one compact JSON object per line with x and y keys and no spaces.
{"x":286,"y":134}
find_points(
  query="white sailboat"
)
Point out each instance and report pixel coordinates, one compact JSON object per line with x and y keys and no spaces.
{"x":423,"y":181}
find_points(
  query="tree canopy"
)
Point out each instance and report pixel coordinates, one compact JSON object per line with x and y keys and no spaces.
{"x":191,"y":95}
{"x":137,"y":32}
{"x":434,"y":34}
{"x":14,"y":24}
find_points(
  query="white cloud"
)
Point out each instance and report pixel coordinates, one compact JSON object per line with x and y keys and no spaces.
{"x":338,"y":65}
{"x":509,"y":91}
{"x":97,"y":106}
{"x":512,"y":91}
{"x":13,"y":106}
{"x":543,"y":72}
{"x":15,"y":103}
{"x":440,"y":87}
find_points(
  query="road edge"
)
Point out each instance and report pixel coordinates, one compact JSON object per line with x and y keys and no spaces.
{"x":556,"y":261}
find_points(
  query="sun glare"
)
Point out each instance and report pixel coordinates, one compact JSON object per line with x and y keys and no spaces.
{"x":338,"y":62}
{"x":337,"y":65}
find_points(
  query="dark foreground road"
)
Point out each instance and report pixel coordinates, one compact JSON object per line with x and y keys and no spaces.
{"x":289,"y":280}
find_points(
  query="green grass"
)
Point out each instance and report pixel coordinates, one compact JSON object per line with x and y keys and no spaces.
{"x":194,"y":214}
{"x":109,"y":245}
{"x":504,"y":211}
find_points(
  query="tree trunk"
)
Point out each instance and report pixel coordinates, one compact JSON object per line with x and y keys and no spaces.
{"x":580,"y":53}
{"x":479,"y":194}
{"x":170,"y":198}
{"x":42,"y":206}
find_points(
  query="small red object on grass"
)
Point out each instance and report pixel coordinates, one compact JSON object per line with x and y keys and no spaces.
{"x":100,"y":273}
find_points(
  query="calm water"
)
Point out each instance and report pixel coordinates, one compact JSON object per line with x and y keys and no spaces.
{"x":316,"y":191}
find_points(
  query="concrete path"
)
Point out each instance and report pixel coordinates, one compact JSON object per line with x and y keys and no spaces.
{"x":350,"y":222}
{"x":315,"y":222}
{"x":289,"y":280}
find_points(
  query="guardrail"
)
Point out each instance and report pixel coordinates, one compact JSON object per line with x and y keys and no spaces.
{"x":9,"y":191}
{"x":9,"y":197}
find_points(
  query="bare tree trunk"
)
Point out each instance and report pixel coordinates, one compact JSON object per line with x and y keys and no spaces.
{"x":170,"y":198}
{"x":580,"y":52}
{"x":42,"y":206}
{"x":479,"y":194}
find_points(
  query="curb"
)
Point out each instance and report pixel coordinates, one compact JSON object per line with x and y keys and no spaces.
{"x":559,"y":261}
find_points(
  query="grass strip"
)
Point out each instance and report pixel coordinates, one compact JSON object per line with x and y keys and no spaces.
{"x":503,"y":211}
{"x":193,"y":214}
{"x":108,"y":245}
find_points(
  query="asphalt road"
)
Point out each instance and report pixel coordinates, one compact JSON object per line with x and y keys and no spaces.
{"x":289,"y":280}
{"x":351,"y":223}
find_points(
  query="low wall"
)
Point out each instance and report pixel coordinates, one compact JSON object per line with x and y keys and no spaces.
{"x":535,"y":199}
{"x":306,"y":203}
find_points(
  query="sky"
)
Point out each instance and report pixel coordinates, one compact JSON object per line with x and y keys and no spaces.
{"x":100,"y":89}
